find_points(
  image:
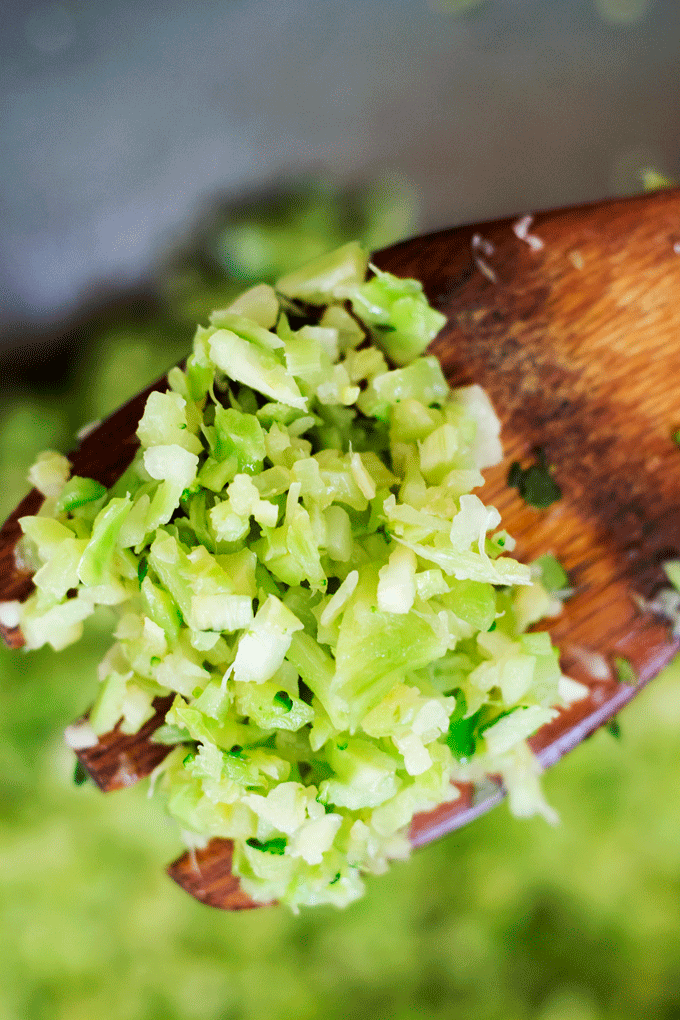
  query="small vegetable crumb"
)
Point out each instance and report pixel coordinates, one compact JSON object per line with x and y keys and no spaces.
{"x":653,"y":180}
{"x":521,"y":229}
{"x":535,"y":483}
{"x":80,"y":776}
{"x":614,"y":727}
{"x":553,"y":575}
{"x":624,"y":671}
{"x":277,"y":845}
{"x":284,"y":700}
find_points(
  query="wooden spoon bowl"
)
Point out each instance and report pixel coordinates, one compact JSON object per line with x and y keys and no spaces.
{"x":574,"y":331}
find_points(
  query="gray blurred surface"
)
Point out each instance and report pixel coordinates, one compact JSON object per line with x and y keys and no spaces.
{"x":123,"y":120}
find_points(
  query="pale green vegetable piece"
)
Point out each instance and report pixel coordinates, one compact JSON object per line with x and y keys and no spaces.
{"x":402,"y":322}
{"x":672,"y":569}
{"x":49,"y":473}
{"x":246,"y":328}
{"x":164,"y":423}
{"x":329,"y":278}
{"x":262,"y":648}
{"x":242,"y":360}
{"x":96,"y":559}
{"x":259,"y":304}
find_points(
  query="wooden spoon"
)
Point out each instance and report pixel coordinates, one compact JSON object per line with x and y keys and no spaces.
{"x":573,"y":329}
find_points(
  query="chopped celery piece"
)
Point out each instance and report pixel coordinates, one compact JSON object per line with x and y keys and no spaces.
{"x":239,"y":435}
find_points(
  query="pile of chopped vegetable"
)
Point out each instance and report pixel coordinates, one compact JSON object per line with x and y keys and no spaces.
{"x":296,"y":555}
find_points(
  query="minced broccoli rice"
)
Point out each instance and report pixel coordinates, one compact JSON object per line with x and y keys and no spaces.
{"x":296,"y":554}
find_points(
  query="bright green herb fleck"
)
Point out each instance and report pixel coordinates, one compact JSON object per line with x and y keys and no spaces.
{"x":613,"y":726}
{"x":462,"y":734}
{"x":284,"y":700}
{"x":672,"y":570}
{"x":277,"y":845}
{"x":80,"y":776}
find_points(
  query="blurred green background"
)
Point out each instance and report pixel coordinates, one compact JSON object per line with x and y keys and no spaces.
{"x":505,"y":920}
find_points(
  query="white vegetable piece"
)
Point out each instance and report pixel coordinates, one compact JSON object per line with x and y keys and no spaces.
{"x":397,"y":585}
{"x":50,"y":473}
{"x":263,"y":647}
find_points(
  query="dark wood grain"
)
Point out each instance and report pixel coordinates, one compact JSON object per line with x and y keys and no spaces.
{"x":578,"y":345}
{"x":206,"y":874}
{"x":119,"y":759}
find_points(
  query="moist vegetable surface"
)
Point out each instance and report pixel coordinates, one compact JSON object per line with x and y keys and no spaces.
{"x":296,"y":553}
